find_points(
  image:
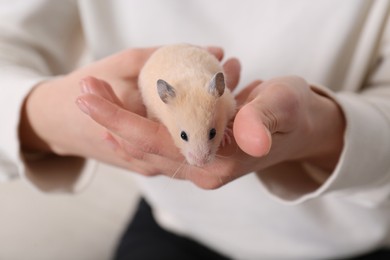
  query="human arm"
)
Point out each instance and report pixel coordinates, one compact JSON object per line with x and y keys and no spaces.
{"x":39,"y":91}
{"x":362,"y":170}
{"x":29,"y":54}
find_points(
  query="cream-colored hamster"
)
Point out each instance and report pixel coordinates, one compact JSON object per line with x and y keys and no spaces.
{"x":183,"y":87}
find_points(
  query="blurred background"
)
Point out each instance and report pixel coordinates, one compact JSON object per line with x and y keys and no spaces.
{"x":82,"y":226}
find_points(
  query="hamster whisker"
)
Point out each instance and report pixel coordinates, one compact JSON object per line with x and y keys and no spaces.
{"x":229,"y":157}
{"x":220,"y":180}
{"x":186,"y":173}
{"x":223,"y":156}
{"x":178,"y":169}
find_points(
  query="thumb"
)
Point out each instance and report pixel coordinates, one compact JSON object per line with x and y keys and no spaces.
{"x":250,"y":133}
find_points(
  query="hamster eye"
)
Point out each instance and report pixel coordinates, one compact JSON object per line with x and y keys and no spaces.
{"x":184,"y":136}
{"x":212,"y":133}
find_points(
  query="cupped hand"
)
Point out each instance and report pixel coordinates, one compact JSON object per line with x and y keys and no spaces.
{"x":285,"y":119}
{"x":50,"y":120}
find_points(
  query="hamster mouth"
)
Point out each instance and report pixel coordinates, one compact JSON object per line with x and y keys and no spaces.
{"x":199,"y":160}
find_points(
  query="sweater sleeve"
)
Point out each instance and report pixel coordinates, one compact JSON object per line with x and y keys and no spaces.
{"x":362,"y":174}
{"x":39,"y":39}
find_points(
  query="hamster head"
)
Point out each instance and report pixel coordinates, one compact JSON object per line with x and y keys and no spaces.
{"x":197,"y":118}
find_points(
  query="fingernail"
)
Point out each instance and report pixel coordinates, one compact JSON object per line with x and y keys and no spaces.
{"x":84,"y":86}
{"x":83,"y":106}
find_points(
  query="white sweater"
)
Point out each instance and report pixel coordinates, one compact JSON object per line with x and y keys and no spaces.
{"x":343,"y":45}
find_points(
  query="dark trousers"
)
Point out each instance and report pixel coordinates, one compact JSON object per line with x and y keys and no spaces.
{"x":144,"y":239}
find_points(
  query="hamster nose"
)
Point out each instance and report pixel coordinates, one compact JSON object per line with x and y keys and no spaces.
{"x":198,"y":160}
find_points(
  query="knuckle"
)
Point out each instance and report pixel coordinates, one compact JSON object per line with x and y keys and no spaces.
{"x":151,"y":145}
{"x":133,"y":153}
{"x":150,"y":148}
{"x":138,"y":155}
{"x":270,"y":120}
{"x":114,"y":119}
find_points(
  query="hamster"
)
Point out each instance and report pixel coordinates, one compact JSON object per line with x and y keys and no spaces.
{"x":183,"y":86}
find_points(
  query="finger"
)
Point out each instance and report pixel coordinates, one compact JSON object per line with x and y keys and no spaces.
{"x":244,"y":95}
{"x":281,"y":103}
{"x":158,"y":165}
{"x":251,"y":135}
{"x":208,"y":177}
{"x":232,"y":69}
{"x":152,"y":165}
{"x":146,"y":135}
{"x":100,"y":88}
{"x":216,"y":51}
{"x":146,"y":164}
{"x":278,"y":106}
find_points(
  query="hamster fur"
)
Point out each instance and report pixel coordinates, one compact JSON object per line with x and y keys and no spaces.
{"x":183,"y":87}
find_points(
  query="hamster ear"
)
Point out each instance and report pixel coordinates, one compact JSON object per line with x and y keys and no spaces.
{"x":217,"y":84}
{"x":165,"y":91}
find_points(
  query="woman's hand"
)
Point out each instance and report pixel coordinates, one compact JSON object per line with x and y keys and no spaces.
{"x":52,"y":122}
{"x":284,"y":119}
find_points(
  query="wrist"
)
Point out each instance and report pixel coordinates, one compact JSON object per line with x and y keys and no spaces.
{"x":327,"y":135}
{"x":30,"y":139}
{"x":45,"y":125}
